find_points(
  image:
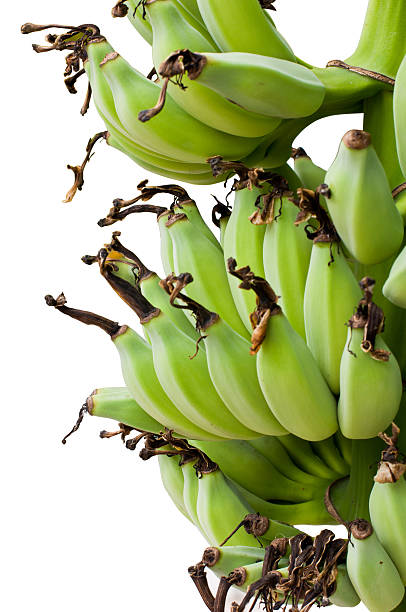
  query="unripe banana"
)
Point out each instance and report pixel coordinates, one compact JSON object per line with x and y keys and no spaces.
{"x":387,"y":503}
{"x":399,"y":195}
{"x":259,"y":84}
{"x":251,"y":31}
{"x":303,"y":455}
{"x":239,"y":461}
{"x":243,"y":241}
{"x":399,"y":101}
{"x":190,"y":492}
{"x":173,"y":30}
{"x":166,"y":244}
{"x":306,"y":408}
{"x":286,"y":255}
{"x":361,"y":203}
{"x":223,"y":559}
{"x":132,"y":92}
{"x":172,"y":479}
{"x":394,"y":288}
{"x":117,"y":403}
{"x":371,"y":571}
{"x":139,"y":21}
{"x":345,"y":595}
{"x":311,"y":176}
{"x":329,"y":298}
{"x":370,"y":378}
{"x":195,"y":254}
{"x":190,"y":209}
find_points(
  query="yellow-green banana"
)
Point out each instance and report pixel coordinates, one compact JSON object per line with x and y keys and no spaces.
{"x":302,"y":454}
{"x":269,"y":86}
{"x":172,"y":479}
{"x":190,"y":492}
{"x":360,"y":201}
{"x":223,"y":559}
{"x":371,"y":571}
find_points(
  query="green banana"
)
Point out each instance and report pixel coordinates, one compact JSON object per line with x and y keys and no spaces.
{"x":387,"y":503}
{"x":371,"y":571}
{"x":133,"y":92}
{"x":190,"y":209}
{"x":138,"y":371}
{"x":360,"y":201}
{"x":173,"y":30}
{"x":227,"y":351}
{"x":244,"y":242}
{"x":307,"y":408}
{"x":240,"y":462}
{"x":394,"y":288}
{"x":223,"y":559}
{"x":330,"y":455}
{"x":172,"y":479}
{"x":311,"y":175}
{"x":370,"y":377}
{"x":330,"y":294}
{"x":399,"y":196}
{"x":345,"y":595}
{"x":399,"y":98}
{"x":166,"y":243}
{"x":181,"y":377}
{"x":345,"y":447}
{"x":243,"y":27}
{"x":271,"y":448}
{"x":190,"y":492}
{"x":268,"y":86}
{"x":117,"y":403}
{"x":303,"y":455}
{"x":198,"y":256}
{"x":286,"y":253}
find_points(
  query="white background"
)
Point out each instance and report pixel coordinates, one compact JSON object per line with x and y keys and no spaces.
{"x":87,"y":526}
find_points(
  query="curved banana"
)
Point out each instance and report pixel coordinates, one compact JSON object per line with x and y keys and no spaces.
{"x":240,"y":462}
{"x":399,"y":99}
{"x":303,"y":455}
{"x":271,"y":448}
{"x":268,"y":86}
{"x":132,"y":92}
{"x":166,"y":244}
{"x":370,"y":377}
{"x":330,"y":294}
{"x":371,"y":571}
{"x":311,"y":175}
{"x":330,"y":455}
{"x":229,"y":352}
{"x":195,"y":254}
{"x":173,"y":30}
{"x":306,"y":408}
{"x":190,"y":492}
{"x":394,"y":288}
{"x":138,"y":371}
{"x":286,"y":254}
{"x":182,"y":378}
{"x":172,"y":479}
{"x":360,"y":201}
{"x":190,"y":209}
{"x":243,"y":27}
{"x":138,"y":21}
{"x":399,"y":196}
{"x":243,"y":241}
{"x":117,"y":403}
{"x":345,"y":595}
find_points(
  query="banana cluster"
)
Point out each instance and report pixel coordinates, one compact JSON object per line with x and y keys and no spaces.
{"x":272,"y":360}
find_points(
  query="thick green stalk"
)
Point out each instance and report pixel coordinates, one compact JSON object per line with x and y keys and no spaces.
{"x":382,"y":45}
{"x":365,"y":457}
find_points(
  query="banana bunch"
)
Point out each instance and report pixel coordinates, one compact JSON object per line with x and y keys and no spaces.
{"x":272,"y":358}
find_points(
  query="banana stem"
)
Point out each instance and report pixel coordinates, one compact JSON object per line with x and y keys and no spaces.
{"x":382,"y":45}
{"x":365,"y":456}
